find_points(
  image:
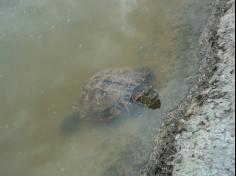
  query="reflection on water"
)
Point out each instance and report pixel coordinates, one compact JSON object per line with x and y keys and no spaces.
{"x":49,"y":49}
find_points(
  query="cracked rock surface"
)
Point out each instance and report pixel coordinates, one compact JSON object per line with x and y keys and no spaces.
{"x":207,"y":147}
{"x":198,"y":138}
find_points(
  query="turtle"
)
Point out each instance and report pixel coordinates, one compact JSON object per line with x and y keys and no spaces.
{"x":112,"y":92}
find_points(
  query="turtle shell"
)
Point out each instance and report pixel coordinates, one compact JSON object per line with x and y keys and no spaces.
{"x":108,"y":92}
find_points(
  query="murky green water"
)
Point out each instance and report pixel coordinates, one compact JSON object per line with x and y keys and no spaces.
{"x":49,"y":49}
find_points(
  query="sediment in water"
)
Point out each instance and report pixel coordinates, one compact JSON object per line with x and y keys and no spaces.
{"x":198,"y":137}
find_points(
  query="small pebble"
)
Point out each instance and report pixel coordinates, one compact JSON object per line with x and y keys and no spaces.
{"x":42,"y":92}
{"x":39,"y":36}
{"x":68,"y":20}
{"x":52,"y":27}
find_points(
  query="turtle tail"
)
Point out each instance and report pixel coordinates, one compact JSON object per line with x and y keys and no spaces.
{"x":70,"y":123}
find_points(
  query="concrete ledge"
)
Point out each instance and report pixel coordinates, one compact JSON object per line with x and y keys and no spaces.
{"x":198,"y":138}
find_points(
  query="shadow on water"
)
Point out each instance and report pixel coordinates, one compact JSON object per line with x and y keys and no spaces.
{"x":74,"y":124}
{"x":71,"y":124}
{"x":75,"y":121}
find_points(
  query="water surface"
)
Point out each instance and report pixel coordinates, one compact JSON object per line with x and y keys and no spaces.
{"x":50,"y":48}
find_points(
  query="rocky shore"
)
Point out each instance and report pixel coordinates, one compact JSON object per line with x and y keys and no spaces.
{"x":198,"y":138}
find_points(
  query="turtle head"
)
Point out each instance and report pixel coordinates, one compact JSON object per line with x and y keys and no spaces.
{"x":147,"y":96}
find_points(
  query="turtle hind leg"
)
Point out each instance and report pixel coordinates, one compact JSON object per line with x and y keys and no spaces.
{"x":70,"y":124}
